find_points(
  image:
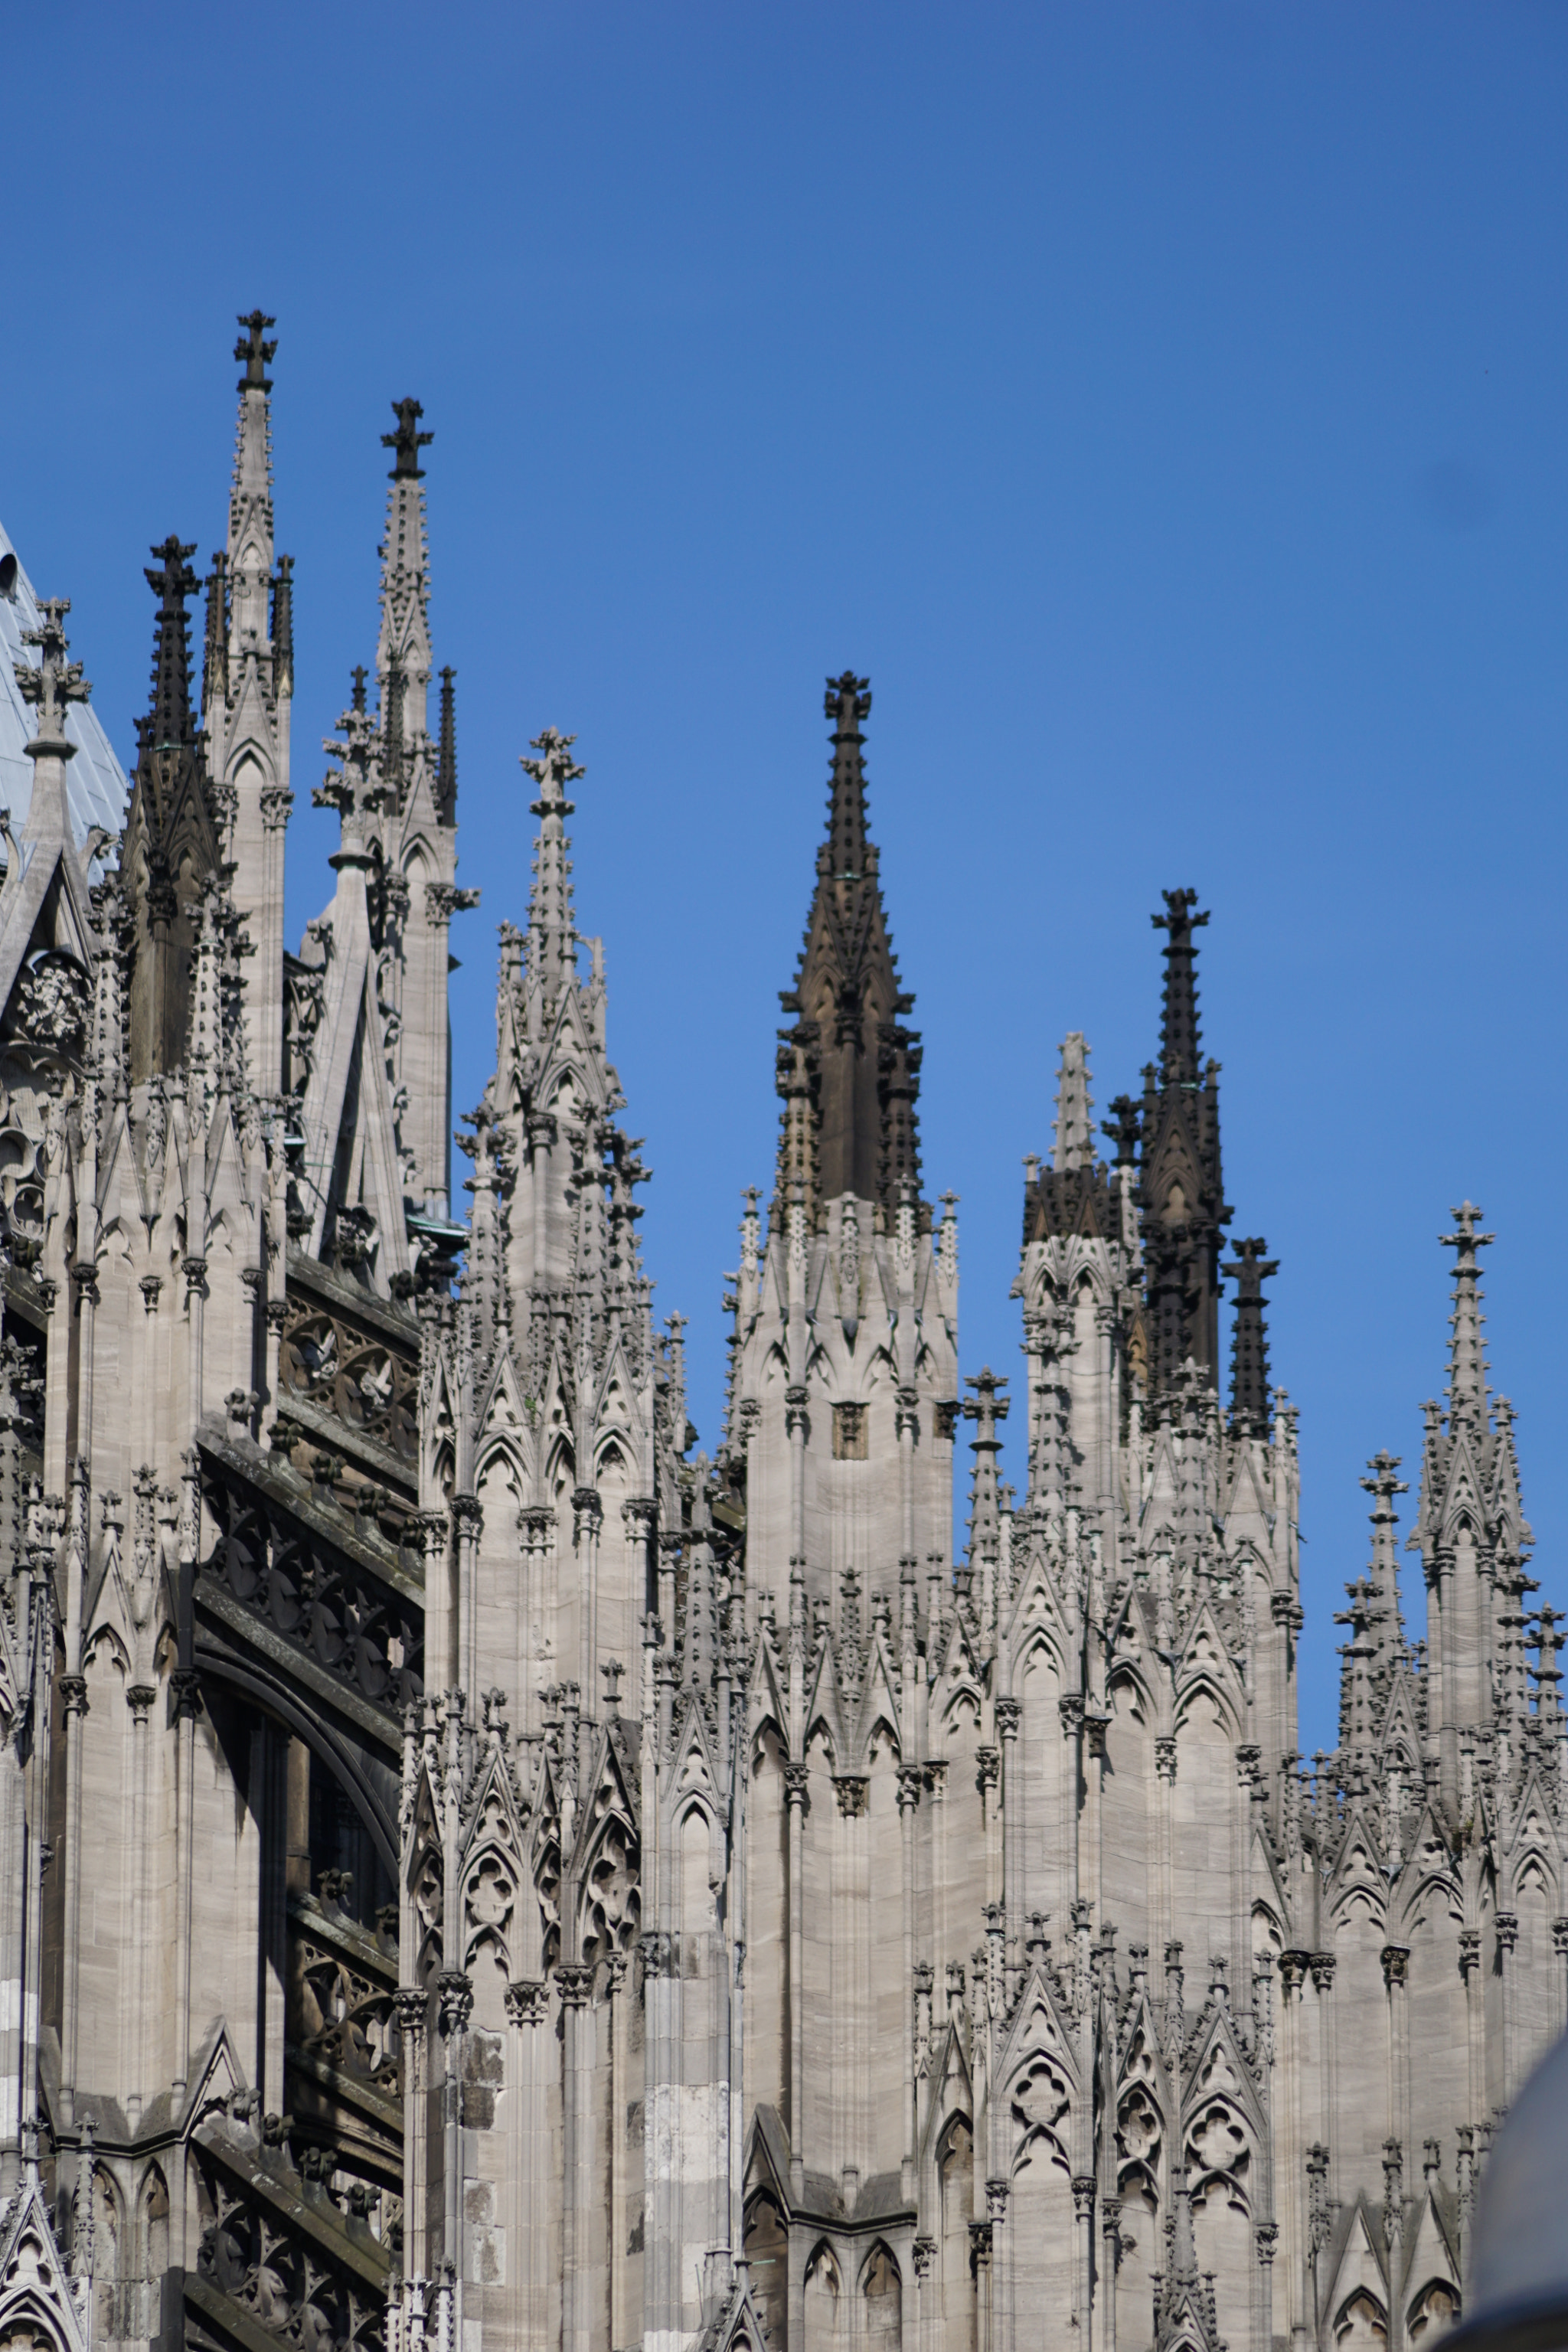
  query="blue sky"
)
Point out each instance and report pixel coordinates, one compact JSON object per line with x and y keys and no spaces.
{"x":1164,"y":406}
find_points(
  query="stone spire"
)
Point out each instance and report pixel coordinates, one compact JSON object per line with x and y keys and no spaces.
{"x":848,"y":1072}
{"x":247,"y":693}
{"x":47,"y":920}
{"x":552,"y":932}
{"x":987,"y":1409}
{"x":1249,"y":1344}
{"x":446,"y":757}
{"x":403,"y":652}
{"x":1074,"y":1145}
{"x":1182,"y":1191}
{"x":171,"y":840}
{"x":1384,"y":1574}
{"x":1467,"y":1369}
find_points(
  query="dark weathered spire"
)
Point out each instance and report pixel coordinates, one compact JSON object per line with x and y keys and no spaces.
{"x":256,"y":354}
{"x":1181,"y":1190}
{"x":1249,"y":1343}
{"x":171,"y":722}
{"x":171,"y":837}
{"x":1179,"y":1011}
{"x":408,"y":441}
{"x":848,"y":1071}
{"x":446,"y":754}
{"x":283,"y":621}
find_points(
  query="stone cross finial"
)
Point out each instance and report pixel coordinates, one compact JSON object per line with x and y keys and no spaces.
{"x":56,"y":682}
{"x":255,"y":351}
{"x":408,"y":441}
{"x":552,"y":771}
{"x":848,"y":700}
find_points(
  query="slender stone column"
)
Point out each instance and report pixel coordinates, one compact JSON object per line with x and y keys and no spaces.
{"x":1015,"y":1894}
{"x":797,"y":1422}
{"x":1265,"y":2238}
{"x":186,"y":1686}
{"x":467,"y":1521}
{"x":528,"y":2012}
{"x":1474,"y":2019}
{"x":588,"y":1519}
{"x":413,"y":2007}
{"x":1322,"y":1967}
{"x":928,"y":2295}
{"x":140,"y":1698}
{"x":908,"y":1797}
{"x":454,"y":2006}
{"x":1560,"y":1994}
{"x":623,"y":2327}
{"x":1083,"y":2267}
{"x":1395,"y":1978}
{"x":1507,"y":1938}
{"x":575,"y":1981}
{"x":73,"y":1700}
{"x":796,"y":1781}
{"x":1110,"y":2235}
{"x":1162,"y":1926}
{"x":1293,"y":1966}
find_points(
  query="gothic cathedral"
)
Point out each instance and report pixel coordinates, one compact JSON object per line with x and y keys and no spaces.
{"x":481,"y":1878}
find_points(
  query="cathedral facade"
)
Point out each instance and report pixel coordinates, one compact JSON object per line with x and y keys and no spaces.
{"x":482,"y":1875}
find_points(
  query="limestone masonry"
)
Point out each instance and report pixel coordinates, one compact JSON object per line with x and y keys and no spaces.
{"x":474,"y":1874}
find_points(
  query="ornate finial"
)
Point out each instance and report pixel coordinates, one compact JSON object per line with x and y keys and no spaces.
{"x":1249,"y":1365}
{"x":359,"y":674}
{"x":256,"y":352}
{"x":1123,"y":1128}
{"x":552,"y":771}
{"x":1178,"y":917}
{"x":408,"y":441}
{"x":56,"y":681}
{"x":848,"y":700}
{"x":1467,"y":1239}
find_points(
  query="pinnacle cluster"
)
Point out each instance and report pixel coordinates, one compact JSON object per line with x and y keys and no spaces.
{"x":484,"y":1874}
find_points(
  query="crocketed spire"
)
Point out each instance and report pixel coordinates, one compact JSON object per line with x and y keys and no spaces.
{"x":848,"y":1072}
{"x":170,"y":839}
{"x":1249,"y":1344}
{"x":1467,"y":1371}
{"x":1073,"y":1147}
{"x":1182,"y":1191}
{"x":551,"y":933}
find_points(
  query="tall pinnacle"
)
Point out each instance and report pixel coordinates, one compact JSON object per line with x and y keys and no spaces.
{"x":1181,"y":1190}
{"x":551,"y":934}
{"x":1249,"y":1345}
{"x":848,"y":1072}
{"x":446,"y":757}
{"x":1467,"y":1371}
{"x":1384,"y":1577}
{"x":1179,"y":1013}
{"x":169,"y":725}
{"x":988,"y":1408}
{"x":1074,"y":1146}
{"x":403,"y":649}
